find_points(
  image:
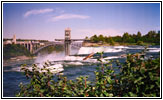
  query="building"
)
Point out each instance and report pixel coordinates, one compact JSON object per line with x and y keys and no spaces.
{"x":14,"y":39}
{"x":67,"y":34}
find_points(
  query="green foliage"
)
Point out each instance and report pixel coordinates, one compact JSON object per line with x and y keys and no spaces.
{"x":140,"y":43}
{"x":86,"y":38}
{"x":102,"y":39}
{"x":150,"y":37}
{"x":111,"y":41}
{"x":94,"y":39}
{"x":125,"y":37}
{"x":13,"y":50}
{"x":138,"y":77}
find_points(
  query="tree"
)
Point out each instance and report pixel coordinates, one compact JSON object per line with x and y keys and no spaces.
{"x":157,"y":39}
{"x":125,"y":37}
{"x":111,"y":41}
{"x":101,"y":38}
{"x":86,"y":38}
{"x":150,"y":36}
{"x":117,"y":38}
{"x":13,"y":50}
{"x":94,"y":39}
{"x":138,"y":37}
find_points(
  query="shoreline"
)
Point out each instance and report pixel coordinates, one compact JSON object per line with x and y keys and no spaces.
{"x":7,"y":62}
{"x":19,"y":58}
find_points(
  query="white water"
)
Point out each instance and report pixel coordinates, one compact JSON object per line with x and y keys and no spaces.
{"x":89,"y":50}
{"x":112,"y":57}
{"x":153,"y":49}
{"x":54,"y":56}
{"x":74,"y":60}
{"x":122,"y":47}
{"x":59,"y":60}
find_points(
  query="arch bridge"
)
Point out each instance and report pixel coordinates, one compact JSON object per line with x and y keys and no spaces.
{"x":74,"y":45}
{"x":35,"y":46}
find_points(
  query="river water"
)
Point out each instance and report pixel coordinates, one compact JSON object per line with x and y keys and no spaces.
{"x":72,"y":66}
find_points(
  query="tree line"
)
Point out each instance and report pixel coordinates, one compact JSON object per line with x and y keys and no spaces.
{"x":151,"y":37}
{"x":13,"y":50}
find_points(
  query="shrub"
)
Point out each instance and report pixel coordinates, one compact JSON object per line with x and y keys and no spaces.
{"x":140,"y":77}
{"x":140,"y":43}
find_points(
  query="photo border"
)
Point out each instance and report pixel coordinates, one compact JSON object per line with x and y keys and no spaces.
{"x":81,"y":97}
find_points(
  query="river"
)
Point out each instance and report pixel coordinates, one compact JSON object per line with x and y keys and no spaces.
{"x":72,"y":66}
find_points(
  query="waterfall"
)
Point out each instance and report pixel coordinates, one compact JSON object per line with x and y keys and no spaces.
{"x":88,"y":50}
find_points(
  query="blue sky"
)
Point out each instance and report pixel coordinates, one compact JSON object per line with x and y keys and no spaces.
{"x":47,"y":21}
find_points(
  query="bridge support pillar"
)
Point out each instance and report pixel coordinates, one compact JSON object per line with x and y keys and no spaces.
{"x":67,"y":41}
{"x":27,"y":46}
{"x":67,"y":47}
{"x":31,"y":47}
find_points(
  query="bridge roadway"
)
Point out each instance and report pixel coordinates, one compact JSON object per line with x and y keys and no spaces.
{"x":70,"y":40}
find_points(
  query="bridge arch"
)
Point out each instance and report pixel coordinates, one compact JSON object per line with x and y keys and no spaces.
{"x":45,"y":46}
{"x":75,"y":45}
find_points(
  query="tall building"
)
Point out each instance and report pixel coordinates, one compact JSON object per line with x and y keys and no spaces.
{"x":14,"y":39}
{"x":67,"y":34}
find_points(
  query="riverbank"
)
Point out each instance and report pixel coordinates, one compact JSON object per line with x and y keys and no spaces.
{"x":21,"y":58}
{"x":7,"y":62}
{"x":15,"y":52}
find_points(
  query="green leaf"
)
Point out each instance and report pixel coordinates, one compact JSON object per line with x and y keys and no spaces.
{"x":132,"y":94}
{"x":52,"y":87}
{"x":110,"y":95}
{"x":139,"y":79}
{"x":142,"y":70}
{"x":108,"y":78}
{"x":152,"y":86}
{"x":42,"y":90}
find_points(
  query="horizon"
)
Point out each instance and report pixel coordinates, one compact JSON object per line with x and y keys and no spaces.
{"x":86,"y":36}
{"x":47,"y":21}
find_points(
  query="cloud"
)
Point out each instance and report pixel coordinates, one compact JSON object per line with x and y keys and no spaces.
{"x":68,"y":16}
{"x":59,"y":10}
{"x":35,"y":12}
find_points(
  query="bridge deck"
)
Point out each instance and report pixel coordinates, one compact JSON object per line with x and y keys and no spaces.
{"x":70,"y":39}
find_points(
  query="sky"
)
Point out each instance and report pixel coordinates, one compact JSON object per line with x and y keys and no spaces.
{"x":47,"y":21}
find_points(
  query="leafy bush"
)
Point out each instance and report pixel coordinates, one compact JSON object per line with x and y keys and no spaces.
{"x":140,"y":43}
{"x":138,"y":77}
